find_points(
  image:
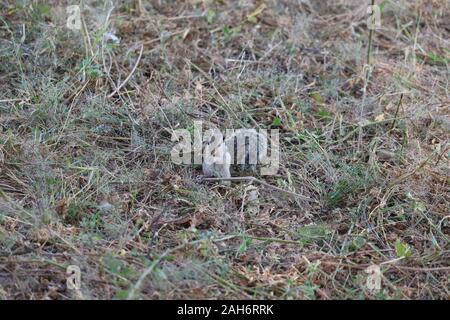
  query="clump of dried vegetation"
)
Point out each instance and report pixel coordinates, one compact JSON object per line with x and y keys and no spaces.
{"x":85,"y":137}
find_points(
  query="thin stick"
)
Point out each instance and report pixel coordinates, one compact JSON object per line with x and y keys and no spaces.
{"x":396,"y":111}
{"x":10,"y":100}
{"x":369,"y":47}
{"x":368,"y":63}
{"x":253,"y":179}
{"x":131,"y":73}
{"x":445,"y":269}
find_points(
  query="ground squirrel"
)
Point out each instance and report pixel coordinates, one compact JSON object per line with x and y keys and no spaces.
{"x":244,"y":147}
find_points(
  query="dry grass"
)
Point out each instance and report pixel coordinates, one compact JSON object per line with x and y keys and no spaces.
{"x":86,"y":176}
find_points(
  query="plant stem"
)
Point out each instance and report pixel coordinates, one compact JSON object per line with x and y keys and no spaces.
{"x":369,"y":47}
{"x":396,"y":111}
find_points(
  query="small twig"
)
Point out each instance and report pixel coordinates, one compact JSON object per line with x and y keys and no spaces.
{"x":369,"y":47}
{"x":368,"y":62}
{"x":253,"y":179}
{"x":129,"y":76}
{"x":396,"y":111}
{"x":446,"y":269}
{"x":405,"y":176}
{"x":10,"y":100}
{"x":185,"y":17}
{"x":274,"y":240}
{"x":442,"y":154}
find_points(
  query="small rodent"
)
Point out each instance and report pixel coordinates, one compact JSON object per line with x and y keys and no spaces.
{"x":218,"y":154}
